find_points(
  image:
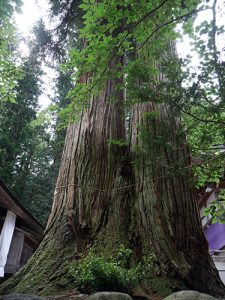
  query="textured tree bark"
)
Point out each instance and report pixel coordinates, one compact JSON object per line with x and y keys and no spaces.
{"x":86,"y":197}
{"x":169,"y":216}
{"x":108,"y":194}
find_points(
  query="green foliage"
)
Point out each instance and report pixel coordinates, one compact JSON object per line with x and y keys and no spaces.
{"x":26,"y":153}
{"x":117,"y":142}
{"x":95,"y":273}
{"x":130,"y":34}
{"x":113,"y":30}
{"x":8,"y":7}
{"x":124,"y":256}
{"x":216,"y":209}
{"x":29,"y":150}
{"x":205,"y":97}
{"x":140,"y":80}
{"x":9,"y":71}
{"x":208,"y":172}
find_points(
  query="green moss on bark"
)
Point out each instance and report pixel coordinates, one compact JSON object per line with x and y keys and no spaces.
{"x":44,"y":271}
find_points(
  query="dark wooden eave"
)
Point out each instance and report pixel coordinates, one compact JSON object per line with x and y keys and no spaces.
{"x":10,"y":202}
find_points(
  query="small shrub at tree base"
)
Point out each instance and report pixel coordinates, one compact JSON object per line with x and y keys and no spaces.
{"x":124,"y":256}
{"x":95,"y":273}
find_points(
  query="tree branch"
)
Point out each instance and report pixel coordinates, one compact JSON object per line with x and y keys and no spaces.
{"x":200,"y":119}
{"x":125,"y":37}
{"x":135,"y":25}
{"x":188,"y":15}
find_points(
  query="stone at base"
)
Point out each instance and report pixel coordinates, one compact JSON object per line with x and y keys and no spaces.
{"x":21,"y":297}
{"x":189,"y":295}
{"x":109,"y":296}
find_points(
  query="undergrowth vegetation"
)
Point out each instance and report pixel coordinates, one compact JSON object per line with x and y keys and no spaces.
{"x":97,"y":273}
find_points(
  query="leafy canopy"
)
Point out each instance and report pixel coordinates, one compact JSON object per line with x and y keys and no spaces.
{"x":133,"y":32}
{"x":9,"y":71}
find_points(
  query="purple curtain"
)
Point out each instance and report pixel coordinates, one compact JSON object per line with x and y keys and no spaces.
{"x":215,"y":235}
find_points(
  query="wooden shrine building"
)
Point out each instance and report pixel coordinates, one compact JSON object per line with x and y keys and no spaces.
{"x":20,"y":233}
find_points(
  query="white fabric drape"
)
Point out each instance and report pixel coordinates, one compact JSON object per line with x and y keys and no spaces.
{"x":6,"y":238}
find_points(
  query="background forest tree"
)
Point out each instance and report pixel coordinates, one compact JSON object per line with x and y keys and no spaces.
{"x":24,"y":161}
{"x":30,"y":150}
{"x":125,"y":175}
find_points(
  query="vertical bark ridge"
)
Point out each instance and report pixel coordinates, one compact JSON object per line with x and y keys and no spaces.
{"x":88,"y":159}
{"x":167,"y":208}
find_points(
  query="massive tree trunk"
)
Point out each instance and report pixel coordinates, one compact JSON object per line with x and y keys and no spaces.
{"x":107,"y":194}
{"x":137,"y":193}
{"x":169,"y":217}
